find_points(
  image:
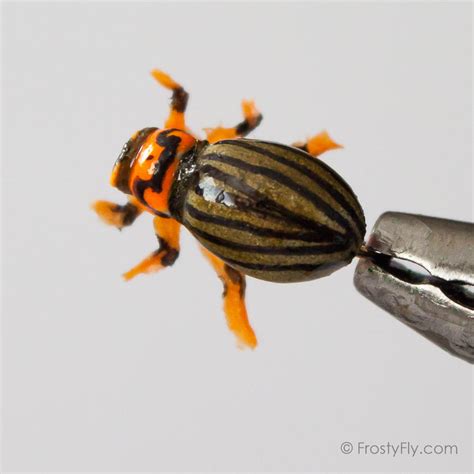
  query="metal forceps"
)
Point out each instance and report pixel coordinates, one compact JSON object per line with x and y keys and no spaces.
{"x":421,"y":270}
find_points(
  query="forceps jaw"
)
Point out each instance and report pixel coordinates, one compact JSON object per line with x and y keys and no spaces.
{"x":433,"y":304}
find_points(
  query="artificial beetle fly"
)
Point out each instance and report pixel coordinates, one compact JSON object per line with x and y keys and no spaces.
{"x":257,"y":208}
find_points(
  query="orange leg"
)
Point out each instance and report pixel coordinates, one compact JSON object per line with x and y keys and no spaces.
{"x":179,"y":100}
{"x":234,"y":300}
{"x":167,"y":232}
{"x":117,"y":215}
{"x":318,"y":144}
{"x":252,"y":118}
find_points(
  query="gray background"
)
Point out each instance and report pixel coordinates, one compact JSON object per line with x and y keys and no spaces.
{"x":102,"y":375}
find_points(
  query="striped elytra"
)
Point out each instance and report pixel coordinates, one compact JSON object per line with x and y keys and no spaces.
{"x":271,"y":211}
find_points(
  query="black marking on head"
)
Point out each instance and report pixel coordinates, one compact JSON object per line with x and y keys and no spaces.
{"x":125,"y":160}
{"x":170,"y":144}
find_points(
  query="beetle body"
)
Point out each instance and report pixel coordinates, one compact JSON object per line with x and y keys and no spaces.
{"x":271,"y":211}
{"x":267,"y":210}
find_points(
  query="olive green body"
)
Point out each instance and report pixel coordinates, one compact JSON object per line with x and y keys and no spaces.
{"x":271,"y":211}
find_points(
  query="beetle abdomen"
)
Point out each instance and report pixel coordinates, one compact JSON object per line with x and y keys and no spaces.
{"x":272,"y":211}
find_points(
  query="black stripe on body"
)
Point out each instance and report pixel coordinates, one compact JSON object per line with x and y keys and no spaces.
{"x":294,"y":267}
{"x":319,"y":167}
{"x":280,"y":178}
{"x":303,"y":236}
{"x":312,"y":162}
{"x":285,"y":271}
{"x":266,"y":206}
{"x":248,"y":259}
{"x":199,"y":213}
{"x":235,"y":244}
{"x":321,"y":249}
{"x":353,"y":209}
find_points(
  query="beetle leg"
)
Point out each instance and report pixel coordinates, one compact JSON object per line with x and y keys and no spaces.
{"x":167,"y":232}
{"x":234,"y":300}
{"x":252,"y":118}
{"x":179,"y":100}
{"x":318,"y":144}
{"x":118,"y":215}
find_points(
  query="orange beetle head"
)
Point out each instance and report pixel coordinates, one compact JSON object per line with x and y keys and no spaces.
{"x":147,"y":163}
{"x":124,"y":164}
